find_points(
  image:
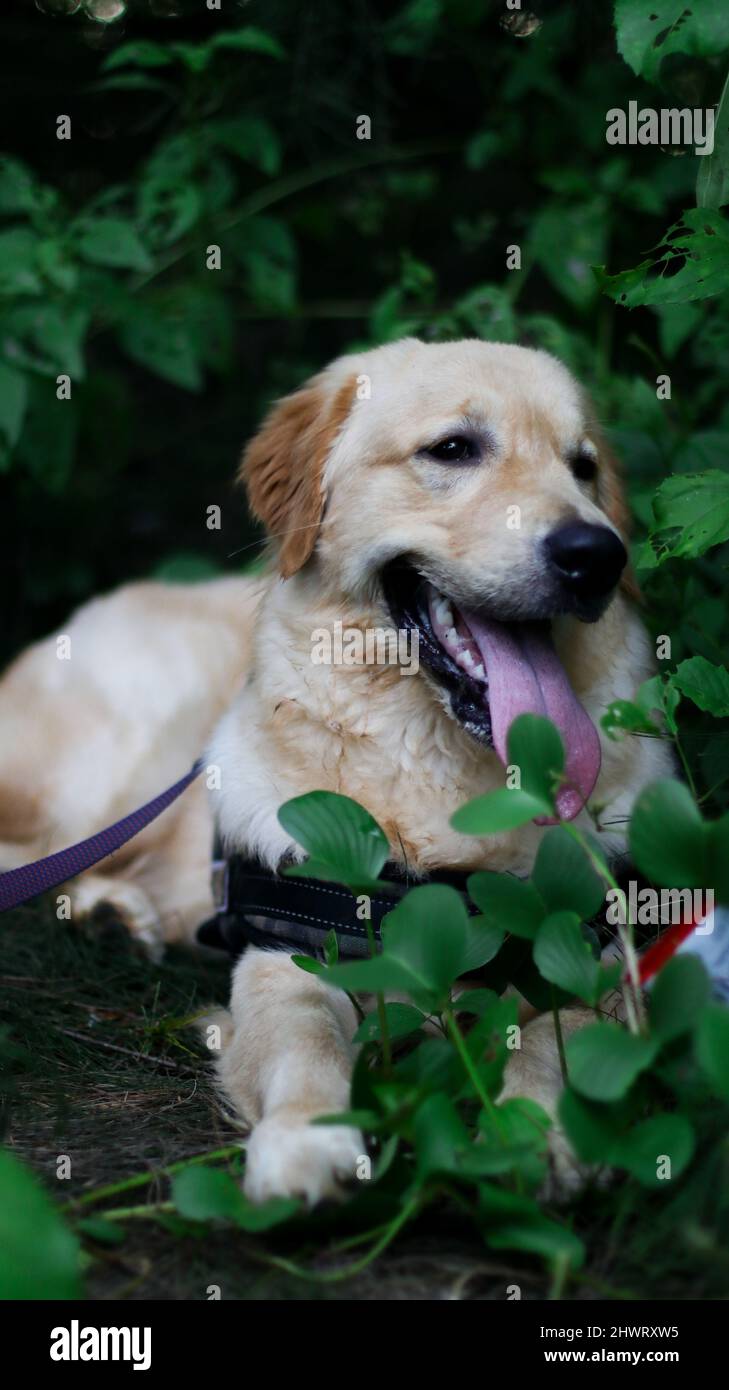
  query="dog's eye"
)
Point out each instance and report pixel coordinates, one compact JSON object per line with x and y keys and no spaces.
{"x":584,"y":466}
{"x":456,"y":449}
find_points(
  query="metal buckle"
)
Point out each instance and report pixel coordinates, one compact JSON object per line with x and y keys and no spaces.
{"x":219,"y":884}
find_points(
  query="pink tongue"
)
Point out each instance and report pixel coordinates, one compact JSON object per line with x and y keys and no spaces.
{"x":525,"y":676}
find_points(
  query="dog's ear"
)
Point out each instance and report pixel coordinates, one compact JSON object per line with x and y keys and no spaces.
{"x":611,"y":497}
{"x":283,"y":466}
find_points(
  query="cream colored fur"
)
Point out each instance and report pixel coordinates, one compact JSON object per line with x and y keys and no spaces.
{"x":154,"y":669}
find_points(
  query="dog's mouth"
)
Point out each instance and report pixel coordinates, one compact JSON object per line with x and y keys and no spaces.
{"x":493,"y":671}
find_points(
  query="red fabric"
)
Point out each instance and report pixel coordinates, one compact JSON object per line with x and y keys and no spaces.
{"x":662,"y":949}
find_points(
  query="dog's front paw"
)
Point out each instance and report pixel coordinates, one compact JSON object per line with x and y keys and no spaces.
{"x":534,"y":1073}
{"x":98,"y":897}
{"x":287,"y":1156}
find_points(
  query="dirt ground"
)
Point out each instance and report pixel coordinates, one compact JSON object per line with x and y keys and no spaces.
{"x":101,"y":1064}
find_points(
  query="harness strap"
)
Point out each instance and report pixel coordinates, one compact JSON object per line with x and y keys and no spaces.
{"x":18,"y":885}
{"x":258,"y":907}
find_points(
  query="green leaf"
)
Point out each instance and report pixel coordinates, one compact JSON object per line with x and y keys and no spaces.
{"x":426,"y":944}
{"x":644,"y":1149}
{"x":589,"y":1127}
{"x":413,"y":28}
{"x":692,"y":262}
{"x":19,"y":191}
{"x":565,"y":958}
{"x":47,"y":446}
{"x":377,"y":975}
{"x":251,"y":138}
{"x":647,"y":33}
{"x":13,"y":402}
{"x":19,"y":270}
{"x":311,"y":965}
{"x":603,"y":1060}
{"x":677,"y":999}
{"x":344,"y":842}
{"x":508,"y":902}
{"x":111,"y":241}
{"x":520,"y":1123}
{"x":539,"y":1236}
{"x":564,"y":877}
{"x":667,"y":837}
{"x":47,"y":338}
{"x":142,"y":53}
{"x":209,"y":1194}
{"x":705,"y":684}
{"x":167,"y":208}
{"x":567,"y":240}
{"x":626,"y":717}
{"x":499,"y":810}
{"x":691,"y":514}
{"x":428,"y":933}
{"x":267,"y":251}
{"x":40,"y":1256}
{"x":249,"y":39}
{"x":331,"y":947}
{"x":712,"y":180}
{"x":102,"y":1232}
{"x":402,"y":1020}
{"x":718,"y":857}
{"x":535,"y":747}
{"x":206,"y":1194}
{"x":441,"y":1138}
{"x":712,"y":1047}
{"x":162,"y":341}
{"x":484,"y":940}
{"x":594,"y":1134}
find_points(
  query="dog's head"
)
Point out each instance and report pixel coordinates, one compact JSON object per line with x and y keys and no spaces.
{"x":466,"y":488}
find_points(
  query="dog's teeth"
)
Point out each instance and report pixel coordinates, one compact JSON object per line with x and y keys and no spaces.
{"x":479,"y":672}
{"x":452,"y":635}
{"x":444,"y":614}
{"x":466,"y":658}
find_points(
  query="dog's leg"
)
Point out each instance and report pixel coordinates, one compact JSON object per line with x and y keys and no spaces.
{"x":533,"y":1071}
{"x":129,"y":902}
{"x":289,"y":1059}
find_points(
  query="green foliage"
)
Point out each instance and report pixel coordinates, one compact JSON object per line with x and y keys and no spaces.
{"x":344,"y":841}
{"x":649,"y":34}
{"x":41,"y":1257}
{"x":436,"y":1099}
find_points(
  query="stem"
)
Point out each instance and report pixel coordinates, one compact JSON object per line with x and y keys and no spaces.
{"x":560,"y":1275}
{"x":146,"y":1212}
{"x":632,"y":998}
{"x":337,"y":1276}
{"x":279,"y":189}
{"x":381,"y":1011}
{"x":685,"y":765}
{"x":467,"y":1060}
{"x":140,"y":1179}
{"x":558,"y":1035}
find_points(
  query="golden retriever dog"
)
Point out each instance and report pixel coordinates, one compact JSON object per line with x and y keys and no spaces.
{"x":461,"y":490}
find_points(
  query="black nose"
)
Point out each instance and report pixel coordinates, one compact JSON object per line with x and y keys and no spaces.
{"x":588,"y":559}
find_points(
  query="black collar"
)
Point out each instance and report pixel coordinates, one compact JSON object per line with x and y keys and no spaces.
{"x":255,"y":906}
{"x":258,"y":907}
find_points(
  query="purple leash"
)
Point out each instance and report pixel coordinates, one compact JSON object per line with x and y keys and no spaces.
{"x":18,"y":885}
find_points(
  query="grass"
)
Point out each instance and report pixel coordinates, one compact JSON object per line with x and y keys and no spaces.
{"x":102,"y":1065}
